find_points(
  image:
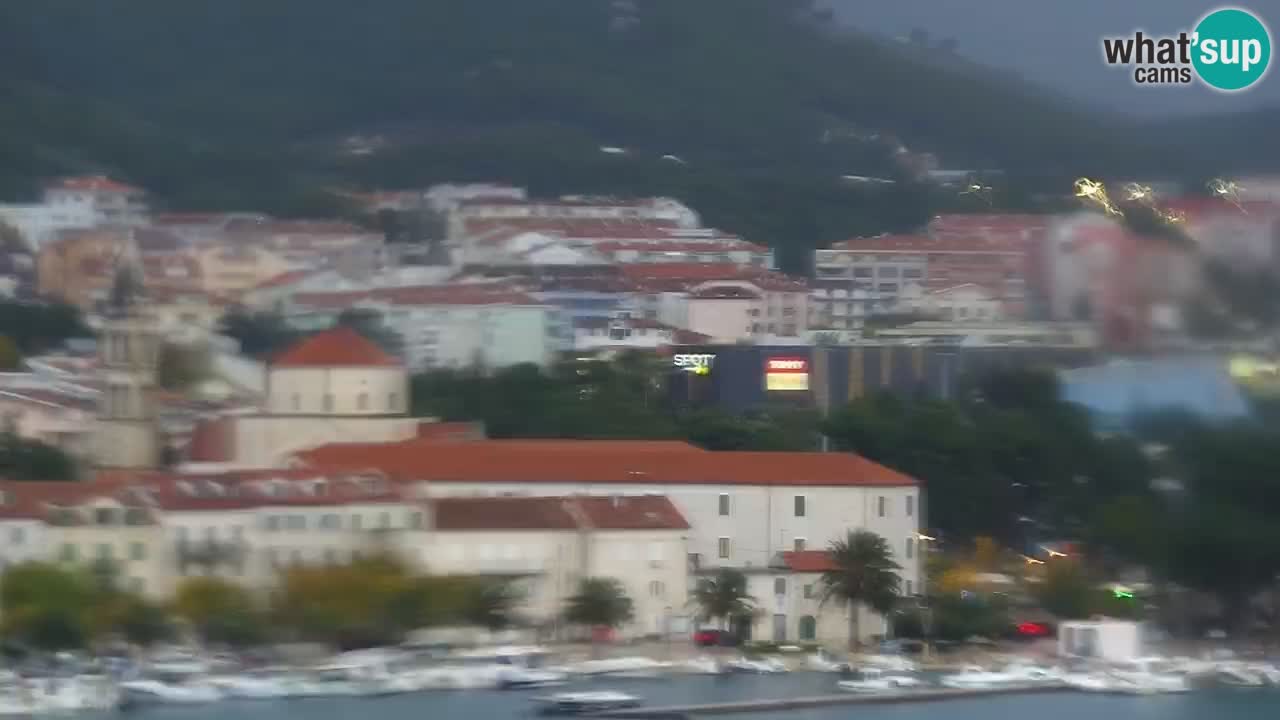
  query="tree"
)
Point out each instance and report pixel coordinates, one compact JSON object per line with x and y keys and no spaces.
{"x":490,"y":603}
{"x":179,"y":367}
{"x":599,"y":602}
{"x":220,"y":611}
{"x":259,"y":334}
{"x":1065,"y":590}
{"x":10,"y":358}
{"x":372,"y":326}
{"x":44,"y":606}
{"x":22,"y":459}
{"x":863,"y":574}
{"x":724,"y":597}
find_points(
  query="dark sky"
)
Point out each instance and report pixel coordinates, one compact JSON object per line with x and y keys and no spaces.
{"x":1057,"y":43}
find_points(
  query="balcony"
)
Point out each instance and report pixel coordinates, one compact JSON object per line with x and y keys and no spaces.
{"x":209,"y":554}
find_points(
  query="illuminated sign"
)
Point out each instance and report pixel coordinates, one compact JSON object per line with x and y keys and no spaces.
{"x":699,"y":364}
{"x":786,"y":374}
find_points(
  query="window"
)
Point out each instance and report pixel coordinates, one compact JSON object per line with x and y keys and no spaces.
{"x":911,"y":547}
{"x":137,"y":551}
{"x":912,"y":273}
{"x":362,"y":401}
{"x":911,"y":505}
{"x":909,"y":589}
{"x":16,"y":536}
{"x":862,"y":272}
{"x":799,"y":505}
{"x":211,"y":533}
{"x":237,"y":532}
{"x":297,"y":522}
{"x":384,"y":520}
{"x":887,"y":272}
{"x":416,"y":520}
{"x":328,"y":402}
{"x":297,"y":401}
{"x":273,"y":523}
{"x":357,"y":522}
{"x":724,"y":505}
{"x":808,"y":591}
{"x":68,"y":553}
{"x":393,"y":401}
{"x":880,"y":506}
{"x":104,"y":516}
{"x":779,"y":586}
{"x":798,"y":544}
{"x":724,"y":548}
{"x":657,"y":589}
{"x":329,"y":522}
{"x":808,"y":627}
{"x":104,"y":551}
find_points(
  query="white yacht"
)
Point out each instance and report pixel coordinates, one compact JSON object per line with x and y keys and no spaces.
{"x":579,"y":703}
{"x":759,"y":667}
{"x":822,"y":662}
{"x":875,"y":680}
{"x":159,"y":692}
{"x":974,"y":677}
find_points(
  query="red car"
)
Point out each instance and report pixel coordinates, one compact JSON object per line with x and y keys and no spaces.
{"x":713,"y":638}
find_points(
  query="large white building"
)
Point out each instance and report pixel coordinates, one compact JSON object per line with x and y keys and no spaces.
{"x":743,"y":508}
{"x":331,"y":386}
{"x":445,"y":326}
{"x":76,"y":203}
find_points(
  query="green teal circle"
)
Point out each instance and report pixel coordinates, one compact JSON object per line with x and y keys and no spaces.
{"x":1231,"y":34}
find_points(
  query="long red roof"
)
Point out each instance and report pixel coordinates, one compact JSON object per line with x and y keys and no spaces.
{"x":592,"y":461}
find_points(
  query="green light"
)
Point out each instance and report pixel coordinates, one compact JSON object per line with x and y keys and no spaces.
{"x":1122,"y":594}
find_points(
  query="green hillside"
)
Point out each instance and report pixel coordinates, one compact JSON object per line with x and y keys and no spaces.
{"x":217,"y":104}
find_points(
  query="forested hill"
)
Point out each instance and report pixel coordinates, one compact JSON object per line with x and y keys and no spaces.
{"x":766,"y":102}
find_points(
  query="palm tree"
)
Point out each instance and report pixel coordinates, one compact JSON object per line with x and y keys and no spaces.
{"x":599,"y":602}
{"x":724,"y":596}
{"x":862,"y":573}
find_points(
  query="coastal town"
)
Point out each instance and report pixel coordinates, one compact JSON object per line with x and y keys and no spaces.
{"x":317,"y":453}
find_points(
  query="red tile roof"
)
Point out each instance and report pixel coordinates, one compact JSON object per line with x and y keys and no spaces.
{"x":285,"y":278}
{"x":339,"y":347}
{"x":709,"y":245}
{"x":808,"y":561}
{"x":94,"y":183}
{"x":599,"y":461}
{"x":451,"y":294}
{"x":677,"y":274}
{"x":945,"y":243}
{"x":557,"y":513}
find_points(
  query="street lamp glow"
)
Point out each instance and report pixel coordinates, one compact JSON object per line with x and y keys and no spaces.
{"x":926,"y":538}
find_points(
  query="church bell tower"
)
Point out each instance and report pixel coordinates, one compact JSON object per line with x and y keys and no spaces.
{"x":126,"y":434}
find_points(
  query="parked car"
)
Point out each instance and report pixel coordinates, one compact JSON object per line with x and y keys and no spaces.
{"x":714,"y":638}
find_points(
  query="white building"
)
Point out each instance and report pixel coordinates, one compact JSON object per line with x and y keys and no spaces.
{"x":552,"y":543}
{"x":573,"y":207}
{"x":966,"y":302}
{"x":733,"y":310}
{"x":332,"y":386}
{"x":445,"y":326}
{"x":743,"y":507}
{"x":113,"y":203}
{"x":624,"y":332}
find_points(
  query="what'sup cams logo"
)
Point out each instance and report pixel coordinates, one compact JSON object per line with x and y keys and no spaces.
{"x":1229,"y":50}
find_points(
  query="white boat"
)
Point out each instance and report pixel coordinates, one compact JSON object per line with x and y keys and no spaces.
{"x":759,"y":667}
{"x":700,"y":666}
{"x":578,"y":703}
{"x":513,"y":678}
{"x":1151,"y":675}
{"x":896,"y":663}
{"x":874,"y":680}
{"x":1089,"y":682}
{"x":156,"y":692}
{"x":1239,"y":675}
{"x":1267,"y":671}
{"x":635,"y":667}
{"x":822,"y":662}
{"x":257,"y":686}
{"x":483,"y":668}
{"x":974,"y":677}
{"x":1032,"y":674}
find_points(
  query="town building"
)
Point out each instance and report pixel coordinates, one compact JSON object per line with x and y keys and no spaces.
{"x":76,"y":203}
{"x":728,"y":304}
{"x":743,"y":507}
{"x":126,"y":434}
{"x":456,"y":325}
{"x":550,"y":544}
{"x":328,"y":387}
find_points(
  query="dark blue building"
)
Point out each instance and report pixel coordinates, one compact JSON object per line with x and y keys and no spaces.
{"x":738,"y":378}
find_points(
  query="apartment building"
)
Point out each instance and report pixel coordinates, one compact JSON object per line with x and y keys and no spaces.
{"x":446,"y":326}
{"x":743,"y":507}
